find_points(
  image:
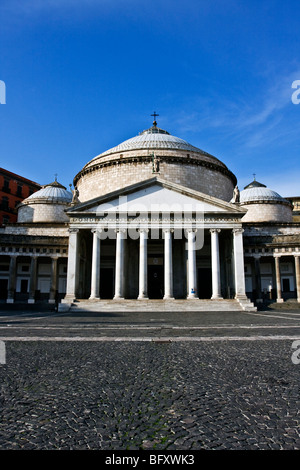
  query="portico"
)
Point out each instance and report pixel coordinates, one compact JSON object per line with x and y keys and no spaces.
{"x":159,"y":240}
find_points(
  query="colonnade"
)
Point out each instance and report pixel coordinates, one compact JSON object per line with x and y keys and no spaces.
{"x":278,"y":276}
{"x":275,"y":273}
{"x":12,"y":279}
{"x":238,"y":262}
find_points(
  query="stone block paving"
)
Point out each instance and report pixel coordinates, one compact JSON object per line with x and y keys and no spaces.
{"x":237,"y":395}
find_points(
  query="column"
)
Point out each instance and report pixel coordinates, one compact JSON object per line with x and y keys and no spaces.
{"x":278,"y":279}
{"x":192,"y":273}
{"x":168,"y":262}
{"x":257,"y":278}
{"x":53,"y":287}
{"x":297,"y":268}
{"x":73,"y":275}
{"x":239,"y":271}
{"x":12,"y":280}
{"x":215,"y":264}
{"x":32,"y":281}
{"x":119,"y":275}
{"x":143,"y":265}
{"x":95,"y":276}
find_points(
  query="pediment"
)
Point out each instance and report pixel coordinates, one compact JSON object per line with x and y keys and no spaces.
{"x":155,"y":195}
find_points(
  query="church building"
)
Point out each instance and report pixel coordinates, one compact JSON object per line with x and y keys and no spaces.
{"x":152,"y":223}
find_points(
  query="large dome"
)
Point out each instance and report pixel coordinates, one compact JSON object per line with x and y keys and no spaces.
{"x":154,"y":152}
{"x":153,"y":138}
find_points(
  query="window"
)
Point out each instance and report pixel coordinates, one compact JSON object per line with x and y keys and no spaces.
{"x":6,"y":186}
{"x":5,"y":203}
{"x":19,"y":190}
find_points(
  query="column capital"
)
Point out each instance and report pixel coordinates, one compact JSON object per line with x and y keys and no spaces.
{"x":73,"y":230}
{"x":215,"y":230}
{"x":237,"y":231}
{"x":97,"y":230}
{"x":143,"y":230}
{"x":168,"y":230}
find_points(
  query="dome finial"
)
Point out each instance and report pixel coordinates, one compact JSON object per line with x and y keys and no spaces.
{"x":254,"y":176}
{"x":154,"y":115}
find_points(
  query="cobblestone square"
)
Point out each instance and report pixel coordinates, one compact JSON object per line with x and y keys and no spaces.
{"x":84,"y":393}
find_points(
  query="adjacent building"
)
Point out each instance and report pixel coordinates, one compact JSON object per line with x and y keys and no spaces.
{"x":13,"y":189}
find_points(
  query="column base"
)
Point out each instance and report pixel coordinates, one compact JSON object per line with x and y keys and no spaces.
{"x":10,"y":301}
{"x":94,"y":297}
{"x":168,"y":297}
{"x":118,"y":298}
{"x":192,"y":296}
{"x":31,"y":301}
{"x":241,"y":297}
{"x":142,"y":297}
{"x":279,"y":301}
{"x":51,"y":301}
{"x":68,"y":299}
{"x":216,"y":297}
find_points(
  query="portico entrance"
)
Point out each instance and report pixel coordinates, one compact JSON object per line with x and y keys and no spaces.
{"x":166,"y":254}
{"x":155,"y":281}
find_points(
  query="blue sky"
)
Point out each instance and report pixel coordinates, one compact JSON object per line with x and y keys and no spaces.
{"x":84,"y":75}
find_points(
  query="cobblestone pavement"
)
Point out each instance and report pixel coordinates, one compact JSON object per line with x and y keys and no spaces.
{"x":237,"y":389}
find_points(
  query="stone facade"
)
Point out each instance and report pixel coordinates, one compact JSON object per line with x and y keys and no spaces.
{"x":196,"y":170}
{"x":267,"y":212}
{"x":42,"y":212}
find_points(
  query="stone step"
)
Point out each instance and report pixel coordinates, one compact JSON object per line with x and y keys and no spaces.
{"x":128,"y":305}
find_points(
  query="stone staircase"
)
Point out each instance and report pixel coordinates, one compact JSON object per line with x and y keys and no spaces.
{"x":157,"y":305}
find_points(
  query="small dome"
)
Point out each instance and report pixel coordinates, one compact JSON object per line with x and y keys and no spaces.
{"x":46,"y":205}
{"x":264,"y":204}
{"x":53,"y":192}
{"x":256,"y":191}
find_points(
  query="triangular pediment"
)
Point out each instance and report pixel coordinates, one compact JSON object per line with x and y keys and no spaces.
{"x":155,"y":195}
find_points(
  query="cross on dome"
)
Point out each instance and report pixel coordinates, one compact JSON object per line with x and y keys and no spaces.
{"x":154,"y":115}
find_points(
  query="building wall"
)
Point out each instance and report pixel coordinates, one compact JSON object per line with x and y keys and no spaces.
{"x":264,"y":212}
{"x":13,"y":189}
{"x":110,"y":178}
{"x":42,"y":212}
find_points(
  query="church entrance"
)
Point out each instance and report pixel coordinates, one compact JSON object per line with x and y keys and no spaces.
{"x":106,"y":283}
{"x":204,"y":283}
{"x":155,"y":282}
{"x":3,"y":288}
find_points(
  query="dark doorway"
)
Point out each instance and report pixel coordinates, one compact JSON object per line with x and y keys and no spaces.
{"x":286,"y":285}
{"x":24,"y":286}
{"x":3,"y":288}
{"x":204,"y":283}
{"x":106,"y":283}
{"x":155,"y":282}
